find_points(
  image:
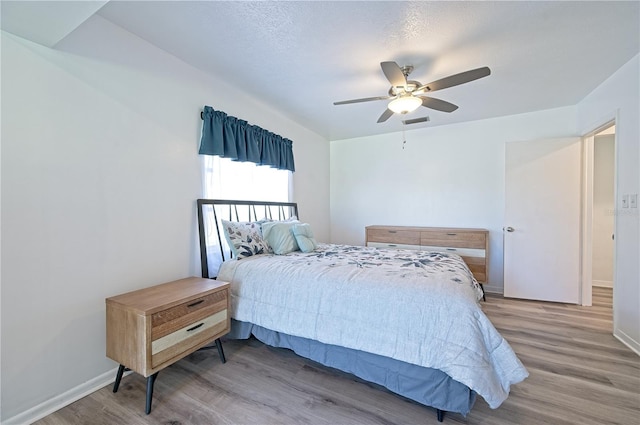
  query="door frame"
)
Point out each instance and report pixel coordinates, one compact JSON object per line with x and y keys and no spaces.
{"x":588,"y":141}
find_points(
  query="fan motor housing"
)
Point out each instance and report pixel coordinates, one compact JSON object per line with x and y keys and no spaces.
{"x":411,"y":86}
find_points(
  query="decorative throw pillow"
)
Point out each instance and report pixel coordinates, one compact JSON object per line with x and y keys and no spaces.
{"x":279,"y":236}
{"x":244,"y":239}
{"x":304,"y":237}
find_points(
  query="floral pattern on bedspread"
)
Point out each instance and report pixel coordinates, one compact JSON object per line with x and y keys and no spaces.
{"x":405,"y":264}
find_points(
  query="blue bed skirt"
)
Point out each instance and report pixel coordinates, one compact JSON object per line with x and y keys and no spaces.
{"x":427,"y":386}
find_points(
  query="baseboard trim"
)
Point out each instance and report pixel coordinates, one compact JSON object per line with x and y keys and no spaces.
{"x":628,"y":341}
{"x":493,"y":289}
{"x":58,"y":402}
{"x":603,"y":283}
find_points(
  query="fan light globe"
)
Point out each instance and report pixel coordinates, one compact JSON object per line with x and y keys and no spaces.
{"x":405,"y":104}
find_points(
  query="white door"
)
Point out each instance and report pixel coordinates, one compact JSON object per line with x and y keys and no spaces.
{"x":542,"y":220}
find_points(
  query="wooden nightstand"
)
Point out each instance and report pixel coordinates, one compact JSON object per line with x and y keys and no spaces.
{"x":152,"y":328}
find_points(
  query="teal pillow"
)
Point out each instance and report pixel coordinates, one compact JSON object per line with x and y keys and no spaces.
{"x":279,"y":236}
{"x":304,"y":237}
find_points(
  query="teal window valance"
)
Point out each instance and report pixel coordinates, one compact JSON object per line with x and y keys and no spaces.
{"x":231,"y":137}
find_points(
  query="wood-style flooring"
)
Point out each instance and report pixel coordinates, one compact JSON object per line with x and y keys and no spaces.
{"x":579,"y":374}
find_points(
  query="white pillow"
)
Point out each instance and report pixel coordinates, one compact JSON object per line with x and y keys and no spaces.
{"x":279,"y":236}
{"x":244,"y":239}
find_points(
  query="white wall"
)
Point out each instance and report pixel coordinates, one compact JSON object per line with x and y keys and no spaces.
{"x":619,"y":97}
{"x":99,"y":179}
{"x":445,"y":176}
{"x":603,"y":207}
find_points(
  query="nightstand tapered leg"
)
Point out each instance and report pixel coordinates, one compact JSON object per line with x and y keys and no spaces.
{"x":118,"y":378}
{"x":150,"y":381}
{"x":220,"y":350}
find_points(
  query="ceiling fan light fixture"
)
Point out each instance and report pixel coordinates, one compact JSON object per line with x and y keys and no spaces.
{"x":405,"y":104}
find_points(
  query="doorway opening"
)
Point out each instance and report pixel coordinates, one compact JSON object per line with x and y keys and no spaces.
{"x":598,"y":269}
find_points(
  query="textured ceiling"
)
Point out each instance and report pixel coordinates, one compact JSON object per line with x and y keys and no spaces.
{"x":300,"y":57}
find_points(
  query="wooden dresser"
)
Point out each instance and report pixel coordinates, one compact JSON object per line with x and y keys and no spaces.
{"x":152,"y":328}
{"x":471,"y":244}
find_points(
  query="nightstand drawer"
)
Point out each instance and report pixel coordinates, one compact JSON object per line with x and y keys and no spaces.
{"x":168,"y":346}
{"x":167,"y":321}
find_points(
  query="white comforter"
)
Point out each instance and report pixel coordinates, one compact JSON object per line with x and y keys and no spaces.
{"x":415,"y":306}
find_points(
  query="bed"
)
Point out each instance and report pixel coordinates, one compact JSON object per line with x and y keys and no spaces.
{"x":409,"y":321}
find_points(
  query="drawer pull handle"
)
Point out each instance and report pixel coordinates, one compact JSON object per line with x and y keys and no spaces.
{"x":195,"y":303}
{"x":195,"y":327}
{"x":451,"y":234}
{"x":392,"y":244}
{"x":393,"y":231}
{"x":451,"y":249}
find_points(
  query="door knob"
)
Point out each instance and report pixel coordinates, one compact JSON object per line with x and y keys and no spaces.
{"x":509,"y":229}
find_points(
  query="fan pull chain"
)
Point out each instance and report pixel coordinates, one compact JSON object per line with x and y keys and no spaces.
{"x":404,"y":138}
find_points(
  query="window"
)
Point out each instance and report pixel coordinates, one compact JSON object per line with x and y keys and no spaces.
{"x":227,"y":179}
{"x":241,"y":181}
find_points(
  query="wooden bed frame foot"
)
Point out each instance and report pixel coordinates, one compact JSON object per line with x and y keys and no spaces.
{"x":440,"y":414}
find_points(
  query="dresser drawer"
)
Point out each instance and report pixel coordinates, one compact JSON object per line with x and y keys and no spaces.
{"x":478,"y":267}
{"x":463,"y":252}
{"x":404,"y":237}
{"x":169,"y":320}
{"x":181,"y":340}
{"x":453,"y":239}
{"x":392,"y":245}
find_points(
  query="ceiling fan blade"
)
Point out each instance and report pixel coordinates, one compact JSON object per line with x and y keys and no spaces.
{"x":394,"y":74}
{"x":365,"y":99}
{"x":437,"y":104}
{"x":385,"y":115}
{"x":454,"y":80}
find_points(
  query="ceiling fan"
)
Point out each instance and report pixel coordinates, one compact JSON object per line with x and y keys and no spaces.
{"x":407,"y":95}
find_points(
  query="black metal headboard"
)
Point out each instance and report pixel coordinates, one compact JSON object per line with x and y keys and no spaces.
{"x":212,"y":211}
